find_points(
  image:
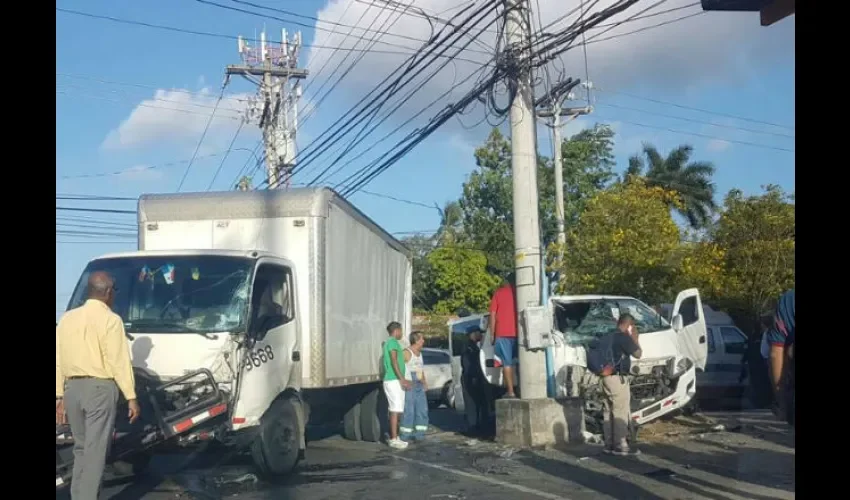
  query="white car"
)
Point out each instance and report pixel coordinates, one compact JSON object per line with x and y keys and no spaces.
{"x":438,"y":374}
{"x":662,"y":381}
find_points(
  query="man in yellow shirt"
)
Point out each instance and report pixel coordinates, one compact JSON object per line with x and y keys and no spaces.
{"x":92,"y":364}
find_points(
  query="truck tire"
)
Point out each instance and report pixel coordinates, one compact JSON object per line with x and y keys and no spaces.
{"x":374,"y":416}
{"x":351,"y":423}
{"x":276,"y":449}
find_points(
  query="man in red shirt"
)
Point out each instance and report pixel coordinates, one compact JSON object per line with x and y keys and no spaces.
{"x":503,"y":327}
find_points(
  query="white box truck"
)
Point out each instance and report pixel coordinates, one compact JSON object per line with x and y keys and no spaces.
{"x":247,"y":310}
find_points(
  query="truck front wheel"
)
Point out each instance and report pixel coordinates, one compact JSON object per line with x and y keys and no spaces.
{"x":276,"y":449}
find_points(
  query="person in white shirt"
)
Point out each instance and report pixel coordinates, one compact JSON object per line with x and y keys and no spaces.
{"x":414,"y":421}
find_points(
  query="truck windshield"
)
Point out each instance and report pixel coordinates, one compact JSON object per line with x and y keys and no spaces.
{"x":582,"y":321}
{"x":176,"y":294}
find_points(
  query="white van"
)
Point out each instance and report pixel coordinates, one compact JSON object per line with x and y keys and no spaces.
{"x":727,"y":345}
{"x":663,"y":380}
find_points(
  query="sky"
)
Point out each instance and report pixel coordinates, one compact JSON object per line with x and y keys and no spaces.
{"x":133,"y":100}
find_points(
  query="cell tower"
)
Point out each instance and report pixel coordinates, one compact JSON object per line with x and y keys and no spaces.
{"x":273,"y":67}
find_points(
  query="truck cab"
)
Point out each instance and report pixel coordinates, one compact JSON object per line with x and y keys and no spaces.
{"x":228,"y":313}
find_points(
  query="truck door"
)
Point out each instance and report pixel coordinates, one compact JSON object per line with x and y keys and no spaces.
{"x":492,"y":368}
{"x":266,"y":366}
{"x":691,"y":334}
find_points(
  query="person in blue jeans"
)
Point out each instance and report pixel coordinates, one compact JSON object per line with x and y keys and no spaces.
{"x":414,"y":422}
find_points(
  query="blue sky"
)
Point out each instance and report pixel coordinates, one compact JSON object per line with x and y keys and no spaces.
{"x":132,"y":103}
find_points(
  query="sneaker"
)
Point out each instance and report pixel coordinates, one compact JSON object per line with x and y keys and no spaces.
{"x":625,"y":451}
{"x":397,"y":444}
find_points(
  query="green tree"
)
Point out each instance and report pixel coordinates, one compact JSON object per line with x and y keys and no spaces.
{"x":588,"y":161}
{"x":487,"y":200}
{"x":701,"y":265}
{"x":692,"y":180}
{"x":757,"y":234}
{"x":625,"y":242}
{"x":460,"y":279}
{"x":423,"y":280}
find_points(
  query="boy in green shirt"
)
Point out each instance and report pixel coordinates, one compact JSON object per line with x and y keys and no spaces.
{"x":394,"y":381}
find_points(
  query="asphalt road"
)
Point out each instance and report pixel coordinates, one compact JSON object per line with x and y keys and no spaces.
{"x":750,"y":457}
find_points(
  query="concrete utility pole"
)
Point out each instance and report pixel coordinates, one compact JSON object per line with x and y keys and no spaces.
{"x":532,"y":364}
{"x":534,"y":420}
{"x":275,"y":107}
{"x":556,"y":113}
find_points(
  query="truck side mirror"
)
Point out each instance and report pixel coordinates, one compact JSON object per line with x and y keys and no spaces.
{"x":677,"y":322}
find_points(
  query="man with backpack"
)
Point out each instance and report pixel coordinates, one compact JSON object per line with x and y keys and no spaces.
{"x":610,"y":359}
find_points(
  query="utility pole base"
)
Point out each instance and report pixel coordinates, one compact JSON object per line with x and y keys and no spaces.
{"x":528,"y":423}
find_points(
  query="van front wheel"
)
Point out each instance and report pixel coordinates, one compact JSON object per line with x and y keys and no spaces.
{"x":276,"y":448}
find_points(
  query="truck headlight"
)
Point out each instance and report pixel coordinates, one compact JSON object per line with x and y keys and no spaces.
{"x":682,"y":366}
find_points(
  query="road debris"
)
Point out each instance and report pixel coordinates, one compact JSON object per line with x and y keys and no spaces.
{"x":591,"y":438}
{"x":661,"y":474}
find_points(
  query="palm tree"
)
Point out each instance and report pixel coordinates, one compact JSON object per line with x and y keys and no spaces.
{"x":451,"y":223}
{"x":692,"y":180}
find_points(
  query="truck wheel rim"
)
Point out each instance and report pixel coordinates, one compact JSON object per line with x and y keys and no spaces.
{"x":283,"y":439}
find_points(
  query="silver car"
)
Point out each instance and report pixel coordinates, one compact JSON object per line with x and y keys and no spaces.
{"x":438,"y":374}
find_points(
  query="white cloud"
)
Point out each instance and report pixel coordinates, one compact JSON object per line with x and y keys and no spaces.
{"x":718,"y":145}
{"x":178,"y":118}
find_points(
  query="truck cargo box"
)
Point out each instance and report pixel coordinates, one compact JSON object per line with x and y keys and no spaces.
{"x":353,"y":277}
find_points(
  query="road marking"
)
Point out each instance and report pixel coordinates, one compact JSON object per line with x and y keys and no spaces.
{"x":485,"y":479}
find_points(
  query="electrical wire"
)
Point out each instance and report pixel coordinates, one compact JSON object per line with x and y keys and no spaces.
{"x":134,"y":170}
{"x":411,"y":63}
{"x":225,"y":36}
{"x":703,"y":122}
{"x":143,"y":105}
{"x":700,"y":110}
{"x":428,"y":106}
{"x":226,"y":154}
{"x":312,"y":27}
{"x":360,"y":112}
{"x":200,"y":142}
{"x":244,"y":168}
{"x":371,"y":43}
{"x":704,"y":136}
{"x":160,"y":99}
{"x":364,"y":133}
{"x":508,"y":65}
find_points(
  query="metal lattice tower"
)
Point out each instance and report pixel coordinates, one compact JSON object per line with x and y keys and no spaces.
{"x":275,"y":106}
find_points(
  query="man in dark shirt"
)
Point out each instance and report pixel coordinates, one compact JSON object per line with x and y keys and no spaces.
{"x":474,"y":384}
{"x":615,"y":386}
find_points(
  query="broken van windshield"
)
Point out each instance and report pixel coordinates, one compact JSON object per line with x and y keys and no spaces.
{"x":176,"y":294}
{"x":581,"y":321}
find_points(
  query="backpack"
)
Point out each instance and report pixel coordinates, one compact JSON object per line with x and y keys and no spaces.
{"x":601,"y":353}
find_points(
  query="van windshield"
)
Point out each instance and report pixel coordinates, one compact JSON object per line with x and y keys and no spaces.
{"x":176,"y":294}
{"x":582,"y":321}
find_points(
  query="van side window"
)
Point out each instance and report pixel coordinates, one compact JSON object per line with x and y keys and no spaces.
{"x":734,"y":342}
{"x":711,"y":333}
{"x":272,"y":298}
{"x":688,"y":310}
